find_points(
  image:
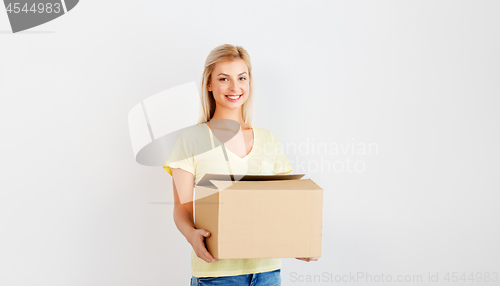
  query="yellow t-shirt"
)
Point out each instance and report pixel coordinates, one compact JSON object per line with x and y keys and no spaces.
{"x":198,"y":151}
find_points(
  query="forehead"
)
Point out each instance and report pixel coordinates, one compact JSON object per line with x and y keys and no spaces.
{"x":233,"y":67}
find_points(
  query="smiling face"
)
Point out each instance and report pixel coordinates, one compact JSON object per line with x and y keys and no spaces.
{"x":230,"y":84}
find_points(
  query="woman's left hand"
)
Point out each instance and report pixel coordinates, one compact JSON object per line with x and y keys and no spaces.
{"x":307,"y":259}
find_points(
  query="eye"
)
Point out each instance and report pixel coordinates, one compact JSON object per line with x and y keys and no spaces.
{"x":222,"y":79}
{"x":243,"y":78}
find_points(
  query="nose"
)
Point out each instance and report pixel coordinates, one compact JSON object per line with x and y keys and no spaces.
{"x":234,"y":85}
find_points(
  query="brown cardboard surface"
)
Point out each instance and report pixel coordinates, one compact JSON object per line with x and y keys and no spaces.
{"x":260,"y":216}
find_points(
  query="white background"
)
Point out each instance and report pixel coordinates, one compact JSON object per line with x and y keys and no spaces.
{"x":417,"y":79}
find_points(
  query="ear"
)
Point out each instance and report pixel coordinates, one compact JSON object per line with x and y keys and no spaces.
{"x":209,"y":87}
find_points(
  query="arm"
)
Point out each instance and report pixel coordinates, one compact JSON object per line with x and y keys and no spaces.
{"x":183,"y":213}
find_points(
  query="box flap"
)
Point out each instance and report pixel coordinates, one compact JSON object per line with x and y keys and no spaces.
{"x":287,"y":185}
{"x":221,"y":185}
{"x":205,"y":181}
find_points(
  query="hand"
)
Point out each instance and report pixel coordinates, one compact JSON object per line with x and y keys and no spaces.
{"x":198,"y":244}
{"x":307,"y":259}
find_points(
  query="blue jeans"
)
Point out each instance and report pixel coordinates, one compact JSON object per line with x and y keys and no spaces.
{"x":270,"y":278}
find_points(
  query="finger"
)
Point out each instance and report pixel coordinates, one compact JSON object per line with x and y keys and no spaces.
{"x":208,"y":255}
{"x":207,"y":260}
{"x":201,"y":251}
{"x":299,"y":258}
{"x":204,"y":254}
{"x":314,"y":258}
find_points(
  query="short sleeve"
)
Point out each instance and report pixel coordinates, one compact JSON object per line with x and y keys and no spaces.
{"x":281,"y":163}
{"x":181,"y":156}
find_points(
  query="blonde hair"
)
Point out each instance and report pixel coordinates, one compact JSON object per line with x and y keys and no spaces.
{"x":224,"y":53}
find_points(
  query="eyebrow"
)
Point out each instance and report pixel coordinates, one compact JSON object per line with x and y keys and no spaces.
{"x":228,"y":75}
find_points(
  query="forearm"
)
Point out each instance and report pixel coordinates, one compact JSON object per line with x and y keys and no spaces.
{"x":183,"y":219}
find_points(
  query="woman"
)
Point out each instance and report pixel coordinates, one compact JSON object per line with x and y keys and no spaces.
{"x":226,"y":97}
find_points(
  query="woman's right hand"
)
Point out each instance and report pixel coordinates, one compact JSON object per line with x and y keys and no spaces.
{"x":197,"y":241}
{"x":182,"y":185}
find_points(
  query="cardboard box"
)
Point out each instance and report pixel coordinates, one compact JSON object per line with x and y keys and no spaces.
{"x":259,"y":216}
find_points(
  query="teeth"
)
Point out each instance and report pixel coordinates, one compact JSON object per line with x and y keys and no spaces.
{"x":233,"y":97}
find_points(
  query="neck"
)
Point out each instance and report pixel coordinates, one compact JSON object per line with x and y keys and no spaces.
{"x":233,"y":114}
